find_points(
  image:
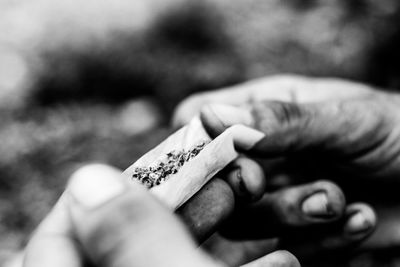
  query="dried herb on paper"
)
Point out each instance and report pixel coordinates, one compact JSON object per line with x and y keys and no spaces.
{"x":157,"y":174}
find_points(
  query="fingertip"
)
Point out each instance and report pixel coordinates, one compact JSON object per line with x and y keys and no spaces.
{"x":218,"y":117}
{"x":326,"y":203}
{"x":211,"y":122}
{"x":336,"y":198}
{"x":246,"y":138}
{"x":358,"y":223}
{"x":285,"y":258}
{"x":186,"y":110}
{"x":93,"y":171}
{"x":318,"y":202}
{"x":361,"y":221}
{"x":280,"y":258}
{"x":95,"y":184}
{"x":247,"y":179}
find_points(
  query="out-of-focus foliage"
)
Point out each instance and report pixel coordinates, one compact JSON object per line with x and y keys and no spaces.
{"x":96,"y":80}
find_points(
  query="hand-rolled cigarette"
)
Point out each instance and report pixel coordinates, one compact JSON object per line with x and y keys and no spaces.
{"x":181,"y":165}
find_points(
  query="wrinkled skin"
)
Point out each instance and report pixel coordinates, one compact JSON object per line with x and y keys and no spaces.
{"x":314,"y":129}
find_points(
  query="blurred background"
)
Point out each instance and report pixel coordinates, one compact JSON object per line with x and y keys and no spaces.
{"x":97,"y":80}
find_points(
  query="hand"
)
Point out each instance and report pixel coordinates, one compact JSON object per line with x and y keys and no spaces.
{"x":102,"y":219}
{"x":287,"y":88}
{"x":341,"y":120}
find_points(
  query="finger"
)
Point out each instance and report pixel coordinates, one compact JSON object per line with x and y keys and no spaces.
{"x":357,"y":224}
{"x":121,"y":225}
{"x":280,"y":258}
{"x":246,"y":178}
{"x":287,"y":88}
{"x":290,"y":208}
{"x":308,"y":244}
{"x":206,"y":210}
{"x":53,"y":243}
{"x":361,"y":221}
{"x":345,"y":127}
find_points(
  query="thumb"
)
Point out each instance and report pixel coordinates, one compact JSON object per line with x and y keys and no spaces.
{"x":278,"y":258}
{"x":121,"y":224}
{"x":342,"y":126}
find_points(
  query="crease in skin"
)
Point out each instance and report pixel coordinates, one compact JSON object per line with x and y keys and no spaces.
{"x":387,"y":145}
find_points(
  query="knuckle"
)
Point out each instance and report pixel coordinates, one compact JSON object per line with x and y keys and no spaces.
{"x":288,"y":202}
{"x":287,"y":209}
{"x":281,"y":113}
{"x":360,"y":111}
{"x":362,"y":122}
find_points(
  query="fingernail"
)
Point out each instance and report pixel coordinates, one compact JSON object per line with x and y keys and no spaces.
{"x":357,"y":224}
{"x":229,"y":115}
{"x":317,"y":206}
{"x":244,"y":137}
{"x":243,"y":191}
{"x":95,"y":185}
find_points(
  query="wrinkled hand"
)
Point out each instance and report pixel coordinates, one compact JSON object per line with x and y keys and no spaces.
{"x":314,"y":129}
{"x":104,"y":219}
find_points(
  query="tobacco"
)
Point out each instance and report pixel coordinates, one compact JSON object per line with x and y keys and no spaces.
{"x":162,"y":170}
